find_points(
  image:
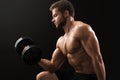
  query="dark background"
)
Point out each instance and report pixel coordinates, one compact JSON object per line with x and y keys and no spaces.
{"x":32,"y":18}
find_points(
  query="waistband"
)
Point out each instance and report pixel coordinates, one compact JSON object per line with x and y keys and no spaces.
{"x":86,"y":76}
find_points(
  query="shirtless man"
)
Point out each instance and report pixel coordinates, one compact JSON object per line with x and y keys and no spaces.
{"x":79,"y":45}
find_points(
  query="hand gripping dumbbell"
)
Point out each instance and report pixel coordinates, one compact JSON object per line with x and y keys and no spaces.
{"x":30,"y":53}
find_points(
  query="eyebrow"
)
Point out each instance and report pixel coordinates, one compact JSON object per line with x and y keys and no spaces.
{"x":54,"y":14}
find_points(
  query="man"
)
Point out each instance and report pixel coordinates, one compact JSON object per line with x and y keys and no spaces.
{"x":79,"y":45}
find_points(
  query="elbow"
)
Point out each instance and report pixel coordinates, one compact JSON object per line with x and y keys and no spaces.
{"x":53,"y":69}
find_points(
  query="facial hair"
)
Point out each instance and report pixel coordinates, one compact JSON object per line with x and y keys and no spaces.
{"x":62,"y":22}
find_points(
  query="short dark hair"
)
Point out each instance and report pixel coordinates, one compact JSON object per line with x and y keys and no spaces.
{"x":63,"y":5}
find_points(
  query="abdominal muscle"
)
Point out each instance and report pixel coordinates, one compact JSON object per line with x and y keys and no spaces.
{"x":81,"y":62}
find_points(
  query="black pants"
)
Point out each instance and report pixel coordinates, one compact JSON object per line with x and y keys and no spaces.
{"x":81,"y":76}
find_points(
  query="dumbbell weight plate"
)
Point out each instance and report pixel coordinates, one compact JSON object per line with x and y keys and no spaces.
{"x":21,"y":43}
{"x":31,"y":54}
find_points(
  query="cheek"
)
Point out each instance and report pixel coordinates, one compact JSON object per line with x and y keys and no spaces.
{"x":59,"y":19}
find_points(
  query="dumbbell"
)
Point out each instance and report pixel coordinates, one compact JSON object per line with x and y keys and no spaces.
{"x":30,"y":53}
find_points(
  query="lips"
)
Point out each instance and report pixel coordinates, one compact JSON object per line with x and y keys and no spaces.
{"x":54,"y":23}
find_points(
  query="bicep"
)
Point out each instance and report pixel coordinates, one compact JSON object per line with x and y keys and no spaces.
{"x":57,"y":58}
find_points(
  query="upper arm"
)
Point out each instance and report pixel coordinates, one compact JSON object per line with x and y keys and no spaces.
{"x":55,"y":62}
{"x":57,"y":57}
{"x":91,"y":45}
{"x":90,"y":42}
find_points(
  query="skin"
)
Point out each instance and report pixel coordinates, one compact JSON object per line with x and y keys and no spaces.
{"x":79,"y":45}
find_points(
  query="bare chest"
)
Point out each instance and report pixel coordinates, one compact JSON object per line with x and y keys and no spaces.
{"x":70,"y":44}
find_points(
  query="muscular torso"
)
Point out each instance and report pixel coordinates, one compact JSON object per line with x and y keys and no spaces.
{"x":72,"y":48}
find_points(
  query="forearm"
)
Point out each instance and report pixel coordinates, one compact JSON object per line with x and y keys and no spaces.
{"x":47,"y":65}
{"x":100,"y":70}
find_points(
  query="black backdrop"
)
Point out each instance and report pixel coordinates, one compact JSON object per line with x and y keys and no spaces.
{"x":32,"y":18}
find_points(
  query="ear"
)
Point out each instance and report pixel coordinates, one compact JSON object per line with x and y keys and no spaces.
{"x":66,"y":13}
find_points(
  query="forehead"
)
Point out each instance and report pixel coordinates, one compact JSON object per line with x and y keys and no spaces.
{"x":55,"y":10}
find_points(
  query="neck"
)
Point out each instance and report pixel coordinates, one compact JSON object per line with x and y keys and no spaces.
{"x":69,"y":24}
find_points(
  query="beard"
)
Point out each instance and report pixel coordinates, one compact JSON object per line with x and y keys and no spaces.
{"x":62,"y":22}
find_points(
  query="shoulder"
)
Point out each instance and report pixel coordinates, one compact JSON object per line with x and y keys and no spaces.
{"x":60,"y":38}
{"x":83,"y":29}
{"x":59,"y":41}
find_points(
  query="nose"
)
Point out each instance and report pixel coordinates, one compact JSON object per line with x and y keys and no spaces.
{"x":53,"y":20}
